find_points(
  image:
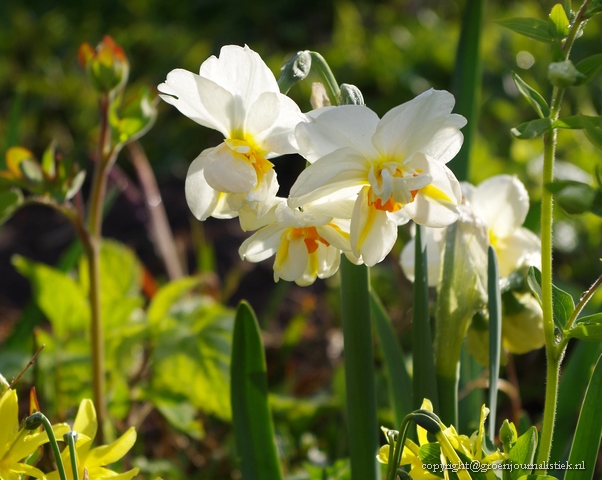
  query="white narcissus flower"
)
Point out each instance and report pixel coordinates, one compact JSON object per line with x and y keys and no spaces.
{"x":236,"y":94}
{"x":396,"y":164}
{"x":307,"y":242}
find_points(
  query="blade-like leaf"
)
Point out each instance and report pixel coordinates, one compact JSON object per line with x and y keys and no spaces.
{"x":563,"y":302}
{"x":533,"y":96}
{"x":589,"y":67}
{"x":495,"y":334}
{"x":532,"y":129}
{"x":400,"y":383}
{"x":586,"y":443}
{"x":558,"y":23}
{"x":530,"y":27}
{"x":253,"y":429}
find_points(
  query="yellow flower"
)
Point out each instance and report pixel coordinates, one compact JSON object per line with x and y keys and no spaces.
{"x":16,"y":445}
{"x":93,"y":460}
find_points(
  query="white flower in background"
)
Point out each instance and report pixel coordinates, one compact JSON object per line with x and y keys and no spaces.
{"x":307,"y":242}
{"x":502,"y":204}
{"x":236,"y":94}
{"x":396,"y":164}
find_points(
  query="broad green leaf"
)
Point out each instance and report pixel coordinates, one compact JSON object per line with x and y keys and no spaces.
{"x":253,"y":429}
{"x":192,"y":355}
{"x":562,"y":301}
{"x":400,"y":383}
{"x":532,"y":129}
{"x":61,"y":298}
{"x":593,"y":129}
{"x":586,"y":444}
{"x":574,"y":197}
{"x":533,"y":96}
{"x":558,"y":23}
{"x":587,"y":328}
{"x":589,"y":67}
{"x":574,"y":122}
{"x":180,"y":414}
{"x":10,"y":201}
{"x":530,"y":27}
{"x":167,"y":296}
{"x":523,"y":452}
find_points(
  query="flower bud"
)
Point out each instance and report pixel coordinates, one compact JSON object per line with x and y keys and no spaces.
{"x":107,"y":66}
{"x":34,"y":421}
{"x":350,"y":95}
{"x":508,"y":435}
{"x":522,"y":325}
{"x":563,"y":74}
{"x":295,"y":70}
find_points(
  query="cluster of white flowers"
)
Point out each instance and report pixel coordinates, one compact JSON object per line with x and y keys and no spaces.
{"x":366,"y":175}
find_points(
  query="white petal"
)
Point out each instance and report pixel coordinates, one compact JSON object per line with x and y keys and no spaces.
{"x":329,"y":259}
{"x":201,"y":198}
{"x":336,"y":237}
{"x":434,"y":249}
{"x":280,"y":138}
{"x":249,"y":219}
{"x":200,"y":99}
{"x":436,"y":205}
{"x":446,"y":143}
{"x":332,"y":128}
{"x":228,"y":171}
{"x":262,"y":244}
{"x":373,"y":233}
{"x":412,"y":126}
{"x":502,"y":202}
{"x":340,"y":171}
{"x":522,"y":248}
{"x":291,"y":259}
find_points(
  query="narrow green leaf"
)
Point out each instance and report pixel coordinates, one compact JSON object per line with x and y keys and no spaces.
{"x":563,"y":302}
{"x":10,"y":201}
{"x":558,"y":23}
{"x":529,"y":27}
{"x":587,"y":328}
{"x":593,"y":129}
{"x":48,"y":161}
{"x":360,"y":385}
{"x":253,"y":429}
{"x":586,"y":444}
{"x":589,"y":67}
{"x":495,"y":334}
{"x":532,"y":96}
{"x":400,"y":383}
{"x":532,"y":129}
{"x":523,"y":452}
{"x":424,"y":378}
{"x":574,"y":122}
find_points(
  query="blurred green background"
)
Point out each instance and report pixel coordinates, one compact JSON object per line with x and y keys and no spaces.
{"x":391,"y":49}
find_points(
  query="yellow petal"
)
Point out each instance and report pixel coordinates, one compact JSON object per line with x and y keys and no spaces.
{"x":108,"y":454}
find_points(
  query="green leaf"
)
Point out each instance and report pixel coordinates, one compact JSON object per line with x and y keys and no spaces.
{"x":32,"y":171}
{"x":589,"y":67}
{"x":400,"y":383}
{"x":586,"y":444}
{"x":181,"y":414}
{"x":593,"y":129}
{"x":48,"y":161}
{"x":562,"y":301}
{"x":253,"y":429}
{"x":574,"y":122}
{"x":558,"y":23}
{"x":523,"y":452}
{"x":192,"y":355}
{"x":136,"y":117}
{"x":533,"y":96}
{"x":167,"y":296}
{"x":494,"y":306}
{"x":61,"y":298}
{"x":10,"y":201}
{"x":574,"y":197}
{"x":587,"y":328}
{"x":530,"y":27}
{"x":537,"y":477}
{"x":532,"y":129}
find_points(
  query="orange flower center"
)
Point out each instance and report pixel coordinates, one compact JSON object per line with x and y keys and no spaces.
{"x":310,"y":237}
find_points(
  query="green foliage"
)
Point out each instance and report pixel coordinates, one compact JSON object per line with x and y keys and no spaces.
{"x":529,"y":27}
{"x":563,"y":302}
{"x":523,"y":453}
{"x":532,"y":129}
{"x":587,"y":328}
{"x":10,"y":201}
{"x":558,"y":23}
{"x":532,"y":96}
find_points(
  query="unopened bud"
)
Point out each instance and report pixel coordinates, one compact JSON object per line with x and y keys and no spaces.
{"x":350,"y":95}
{"x":508,"y":435}
{"x":107,"y":66}
{"x":563,"y":74}
{"x":295,"y":70}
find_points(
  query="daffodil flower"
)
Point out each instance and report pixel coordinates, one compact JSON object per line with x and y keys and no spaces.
{"x":94,"y":460}
{"x":16,"y":445}
{"x":307,"y":242}
{"x":396,"y":164}
{"x":236,"y":94}
{"x":450,"y":443}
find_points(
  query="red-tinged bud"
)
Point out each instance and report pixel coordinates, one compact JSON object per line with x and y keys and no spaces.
{"x":107,"y":66}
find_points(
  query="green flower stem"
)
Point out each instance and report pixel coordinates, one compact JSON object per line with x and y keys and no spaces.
{"x":326,"y":75}
{"x":359,"y":371}
{"x":553,"y":355}
{"x":31,"y":423}
{"x":395,"y":456}
{"x":70,"y":438}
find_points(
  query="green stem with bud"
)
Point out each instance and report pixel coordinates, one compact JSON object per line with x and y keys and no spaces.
{"x":33,"y":422}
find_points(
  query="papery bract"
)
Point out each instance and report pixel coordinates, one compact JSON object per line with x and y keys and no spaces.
{"x":307,"y":243}
{"x":236,"y":94}
{"x":396,"y":164}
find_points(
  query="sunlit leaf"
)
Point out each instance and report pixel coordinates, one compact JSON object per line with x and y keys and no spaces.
{"x":532,"y":129}
{"x":558,"y":23}
{"x":532,"y":96}
{"x":523,"y":452}
{"x":587,"y":328}
{"x":530,"y":27}
{"x":562,"y":301}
